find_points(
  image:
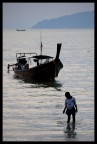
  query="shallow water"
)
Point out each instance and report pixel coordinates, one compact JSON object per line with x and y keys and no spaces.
{"x":32,"y":111}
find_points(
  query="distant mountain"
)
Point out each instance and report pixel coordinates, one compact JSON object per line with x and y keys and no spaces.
{"x":78,"y":20}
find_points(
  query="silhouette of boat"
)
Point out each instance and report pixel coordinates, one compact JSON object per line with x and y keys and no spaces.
{"x":20,"y":29}
{"x":46,"y":67}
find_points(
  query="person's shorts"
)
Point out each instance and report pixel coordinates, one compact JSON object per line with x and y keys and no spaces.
{"x":70,"y":111}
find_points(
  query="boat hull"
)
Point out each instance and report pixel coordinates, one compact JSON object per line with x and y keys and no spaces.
{"x":46,"y":71}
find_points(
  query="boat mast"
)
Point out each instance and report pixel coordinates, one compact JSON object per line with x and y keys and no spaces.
{"x":41,"y":43}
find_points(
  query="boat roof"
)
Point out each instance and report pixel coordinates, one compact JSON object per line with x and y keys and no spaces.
{"x":42,"y":57}
{"x":37,"y":57}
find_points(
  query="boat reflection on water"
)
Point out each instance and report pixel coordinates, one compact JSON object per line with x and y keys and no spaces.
{"x":38,"y":84}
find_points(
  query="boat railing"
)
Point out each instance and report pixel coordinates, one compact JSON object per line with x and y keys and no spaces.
{"x":24,"y":54}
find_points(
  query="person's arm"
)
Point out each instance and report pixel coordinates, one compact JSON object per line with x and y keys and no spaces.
{"x":64,"y":109}
{"x":76,"y":110}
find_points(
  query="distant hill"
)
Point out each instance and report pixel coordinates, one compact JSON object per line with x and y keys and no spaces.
{"x":78,"y":20}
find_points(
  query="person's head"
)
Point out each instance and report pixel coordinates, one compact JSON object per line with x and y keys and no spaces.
{"x":67,"y":95}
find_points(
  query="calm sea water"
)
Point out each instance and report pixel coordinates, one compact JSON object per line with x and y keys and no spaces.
{"x":32,"y":111}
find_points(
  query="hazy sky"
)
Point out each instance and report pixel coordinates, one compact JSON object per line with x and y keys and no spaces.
{"x":25,"y":15}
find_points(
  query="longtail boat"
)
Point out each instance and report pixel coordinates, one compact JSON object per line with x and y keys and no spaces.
{"x":45,"y":68}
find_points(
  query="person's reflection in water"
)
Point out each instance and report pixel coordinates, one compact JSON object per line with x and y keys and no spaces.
{"x":70,"y":130}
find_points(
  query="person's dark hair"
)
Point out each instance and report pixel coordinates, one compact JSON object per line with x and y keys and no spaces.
{"x":67,"y":95}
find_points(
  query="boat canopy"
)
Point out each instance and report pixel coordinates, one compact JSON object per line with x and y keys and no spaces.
{"x":37,"y":57}
{"x":24,"y":54}
{"x":42,"y":57}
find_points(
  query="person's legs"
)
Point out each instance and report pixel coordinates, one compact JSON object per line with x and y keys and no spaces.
{"x":68,"y":120}
{"x":73,"y":116}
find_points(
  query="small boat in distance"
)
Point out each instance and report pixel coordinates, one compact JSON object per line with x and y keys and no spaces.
{"x":46,"y":67}
{"x":20,"y":29}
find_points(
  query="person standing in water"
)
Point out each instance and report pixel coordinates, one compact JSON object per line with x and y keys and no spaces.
{"x":70,"y":107}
